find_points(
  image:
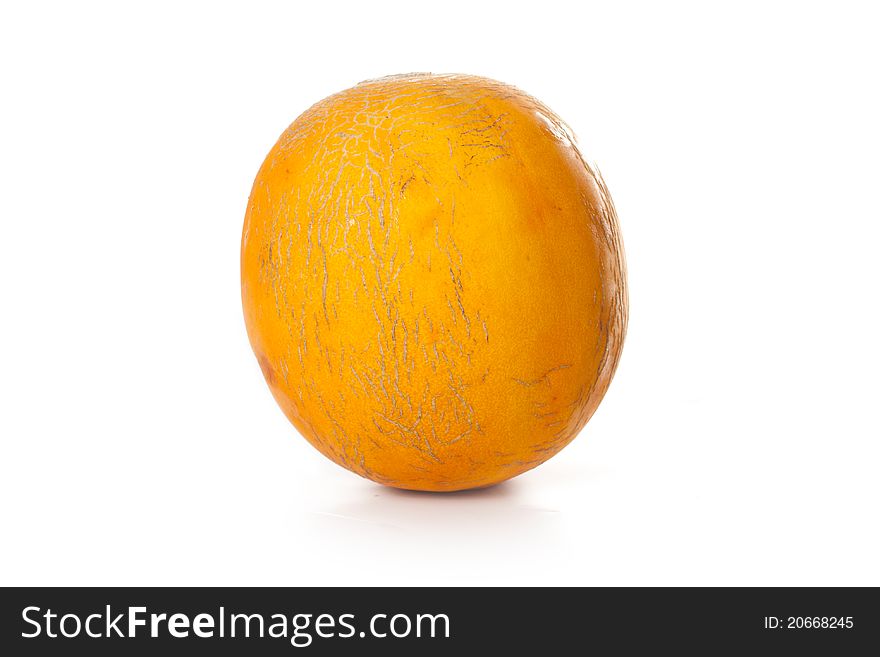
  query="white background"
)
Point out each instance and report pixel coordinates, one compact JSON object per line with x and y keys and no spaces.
{"x":738,"y":443}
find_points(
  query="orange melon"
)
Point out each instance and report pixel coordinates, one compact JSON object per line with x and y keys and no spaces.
{"x":433,"y":281}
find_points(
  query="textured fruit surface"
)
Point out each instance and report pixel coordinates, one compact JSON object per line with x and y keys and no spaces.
{"x":433,"y":281}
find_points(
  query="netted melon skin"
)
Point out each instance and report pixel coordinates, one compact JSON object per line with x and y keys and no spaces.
{"x":433,"y":281}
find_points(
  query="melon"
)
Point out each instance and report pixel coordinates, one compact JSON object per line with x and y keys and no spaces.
{"x":433,"y":281}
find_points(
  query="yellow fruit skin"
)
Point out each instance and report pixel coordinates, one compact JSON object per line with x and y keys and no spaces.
{"x":433,"y":281}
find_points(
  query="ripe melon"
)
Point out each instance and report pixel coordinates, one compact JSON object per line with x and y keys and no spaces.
{"x":433,"y":281}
